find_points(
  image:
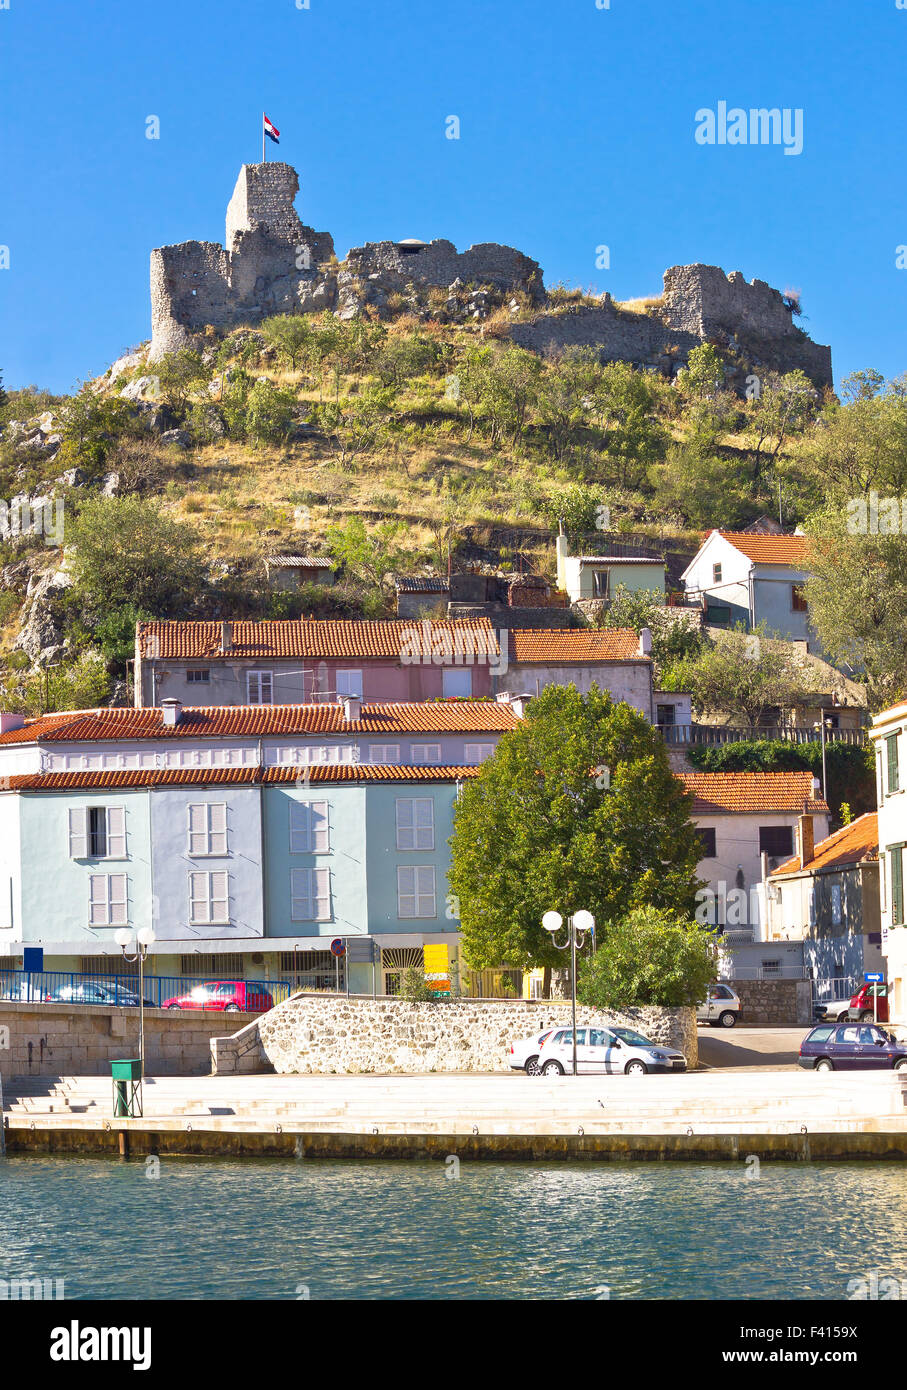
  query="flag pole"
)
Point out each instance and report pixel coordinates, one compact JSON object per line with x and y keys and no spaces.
{"x":264,"y":149}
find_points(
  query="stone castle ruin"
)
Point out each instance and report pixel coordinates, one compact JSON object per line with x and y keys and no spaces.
{"x":271,"y":263}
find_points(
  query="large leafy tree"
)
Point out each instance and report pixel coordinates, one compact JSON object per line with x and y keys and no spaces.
{"x":648,"y":957}
{"x":742,"y":675}
{"x":127,"y":553}
{"x":578,"y":808}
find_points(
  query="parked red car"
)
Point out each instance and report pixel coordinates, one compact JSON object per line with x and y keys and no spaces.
{"x":861,"y":1006}
{"x":231,"y":996}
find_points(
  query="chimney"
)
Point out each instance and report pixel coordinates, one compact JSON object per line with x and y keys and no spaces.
{"x":171,"y":711}
{"x":806,"y":845}
{"x":817,"y":789}
{"x":226,"y":637}
{"x":352,"y":709}
{"x":563,"y":550}
{"x":645,"y":642}
{"x":8,"y":722}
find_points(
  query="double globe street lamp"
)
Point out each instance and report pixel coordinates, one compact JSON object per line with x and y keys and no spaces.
{"x":580,"y":925}
{"x":135,"y":948}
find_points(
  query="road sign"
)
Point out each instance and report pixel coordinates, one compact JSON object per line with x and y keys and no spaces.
{"x":873,"y":977}
{"x":33,"y":960}
{"x":338,"y":947}
{"x":360,"y":950}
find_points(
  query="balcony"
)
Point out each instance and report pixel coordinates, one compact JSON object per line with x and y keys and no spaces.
{"x":688,"y":735}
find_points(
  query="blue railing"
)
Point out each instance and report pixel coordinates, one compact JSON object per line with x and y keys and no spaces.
{"x":160,"y":991}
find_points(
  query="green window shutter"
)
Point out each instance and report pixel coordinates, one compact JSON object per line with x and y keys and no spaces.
{"x":897,"y":886}
{"x":892,"y":745}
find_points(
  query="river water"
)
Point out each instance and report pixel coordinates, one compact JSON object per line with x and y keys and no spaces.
{"x":275,"y":1229}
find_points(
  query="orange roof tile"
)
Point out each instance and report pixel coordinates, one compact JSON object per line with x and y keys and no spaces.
{"x":717,"y":793}
{"x":233,"y":776}
{"x":304,"y":638}
{"x":852,"y":844}
{"x":567,"y":645}
{"x":262,"y":721}
{"x":770,"y":550}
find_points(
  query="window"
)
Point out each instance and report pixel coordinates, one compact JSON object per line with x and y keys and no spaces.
{"x":477,"y":752}
{"x":349,"y":683}
{"x":797,"y":599}
{"x":665,"y":714}
{"x":97,"y":832}
{"x":776,"y":840}
{"x":891,"y":749}
{"x":309,"y":827}
{"x":456,"y":683}
{"x":896,"y":855}
{"x":771,"y":967}
{"x":716,"y":574}
{"x":707,"y":837}
{"x":381,"y":753}
{"x":208,"y":898}
{"x":836,"y":904}
{"x":416,"y":891}
{"x":107,"y":900}
{"x":212,"y":967}
{"x":425,"y":753}
{"x":310,"y":893}
{"x":415,"y":823}
{"x":197,"y":677}
{"x":208,"y":828}
{"x":600,"y":585}
{"x":260,"y":687}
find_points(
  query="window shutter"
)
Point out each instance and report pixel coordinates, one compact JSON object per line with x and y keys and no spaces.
{"x":425,"y":823}
{"x":892,"y":746}
{"x":299,"y":828}
{"x":218,"y":828}
{"x":116,"y":832}
{"x":119,"y":910}
{"x":97,"y":914}
{"x":197,"y":828}
{"x":78,"y":833}
{"x":320,"y":827}
{"x":405,"y":826}
{"x":220,"y":898}
{"x":897,"y":886}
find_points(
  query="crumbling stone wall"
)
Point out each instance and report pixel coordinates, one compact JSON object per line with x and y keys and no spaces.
{"x":439,"y":263}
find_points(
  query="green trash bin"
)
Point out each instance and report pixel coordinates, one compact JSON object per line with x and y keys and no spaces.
{"x":127,"y":1084}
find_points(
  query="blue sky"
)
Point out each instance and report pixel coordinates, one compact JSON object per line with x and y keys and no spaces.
{"x":577,"y":130}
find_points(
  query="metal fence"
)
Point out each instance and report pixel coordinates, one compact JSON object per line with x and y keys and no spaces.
{"x":731,"y":972}
{"x":159,"y":991}
{"x":834,"y":990}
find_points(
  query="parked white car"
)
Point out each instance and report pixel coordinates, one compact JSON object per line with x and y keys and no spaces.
{"x":721,"y":1007}
{"x":524,"y":1055}
{"x":606,"y":1051}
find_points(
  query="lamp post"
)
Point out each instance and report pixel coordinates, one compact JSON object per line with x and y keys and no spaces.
{"x":138,"y":946}
{"x":577,"y":927}
{"x":822,"y":726}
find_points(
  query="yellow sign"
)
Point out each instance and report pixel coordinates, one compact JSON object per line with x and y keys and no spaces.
{"x":437,"y":966}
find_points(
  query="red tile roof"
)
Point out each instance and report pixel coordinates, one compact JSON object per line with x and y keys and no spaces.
{"x":304,"y":638}
{"x":262,"y":721}
{"x":717,"y":793}
{"x":856,"y":843}
{"x":770,"y":550}
{"x":233,"y":776}
{"x":565,"y":645}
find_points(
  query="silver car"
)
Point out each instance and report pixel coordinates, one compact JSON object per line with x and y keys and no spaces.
{"x":721,"y":1007}
{"x":524,"y":1055}
{"x":606,"y":1051}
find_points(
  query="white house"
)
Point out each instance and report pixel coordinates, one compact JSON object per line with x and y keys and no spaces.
{"x":750,"y":579}
{"x":888,"y":737}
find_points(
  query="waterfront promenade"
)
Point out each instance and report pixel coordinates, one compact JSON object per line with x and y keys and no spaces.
{"x":701,"y":1115}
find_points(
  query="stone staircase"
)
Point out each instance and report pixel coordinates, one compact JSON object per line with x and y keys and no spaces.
{"x":767,"y":1102}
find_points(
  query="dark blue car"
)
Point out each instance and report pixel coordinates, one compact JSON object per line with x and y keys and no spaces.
{"x":852,"y":1047}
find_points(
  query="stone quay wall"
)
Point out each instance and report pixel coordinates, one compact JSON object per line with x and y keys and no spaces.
{"x":312,"y":1034}
{"x":82,"y":1040}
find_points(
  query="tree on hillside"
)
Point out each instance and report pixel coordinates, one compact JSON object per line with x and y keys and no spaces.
{"x":741,"y":675}
{"x":369,"y":555}
{"x":578,"y":808}
{"x":674,"y":634}
{"x":633,"y":438}
{"x":785,"y":406}
{"x":649,"y":956}
{"x":124,"y":552}
{"x":179,"y":374}
{"x":703,"y":376}
{"x":290,"y":335}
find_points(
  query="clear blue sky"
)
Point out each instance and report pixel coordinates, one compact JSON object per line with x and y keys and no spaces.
{"x":577,"y":129}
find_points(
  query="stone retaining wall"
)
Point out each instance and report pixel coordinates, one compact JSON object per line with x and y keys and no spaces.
{"x":783,"y":1003}
{"x":62,"y":1039}
{"x":314,"y":1034}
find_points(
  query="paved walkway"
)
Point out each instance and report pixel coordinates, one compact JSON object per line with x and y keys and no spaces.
{"x":750,"y":1049}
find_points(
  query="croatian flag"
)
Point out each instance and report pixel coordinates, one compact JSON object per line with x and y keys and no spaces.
{"x":271,"y":130}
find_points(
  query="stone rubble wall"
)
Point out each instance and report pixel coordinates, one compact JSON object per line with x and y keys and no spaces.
{"x":439,"y":263}
{"x":774,"y":1003}
{"x":312,"y":1034}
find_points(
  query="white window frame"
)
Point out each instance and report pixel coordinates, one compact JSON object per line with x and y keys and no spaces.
{"x":114,"y":832}
{"x":425,"y":754}
{"x":310,"y":827}
{"x":207,"y":889}
{"x":472,"y":754}
{"x":349,"y":682}
{"x":310,"y":895}
{"x":108,"y":900}
{"x":413,"y":893}
{"x":383,"y":754}
{"x":260,"y":678}
{"x":415,"y":830}
{"x":212,"y":836}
